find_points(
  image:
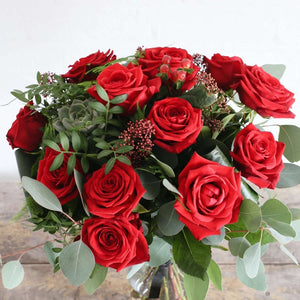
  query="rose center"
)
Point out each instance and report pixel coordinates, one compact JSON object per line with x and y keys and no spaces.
{"x":210,"y":195}
{"x":176,"y":115}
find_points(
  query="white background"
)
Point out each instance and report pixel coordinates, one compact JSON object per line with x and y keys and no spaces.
{"x":50,"y":35}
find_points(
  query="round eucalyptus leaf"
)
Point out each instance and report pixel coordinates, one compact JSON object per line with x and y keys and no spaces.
{"x":12,"y":274}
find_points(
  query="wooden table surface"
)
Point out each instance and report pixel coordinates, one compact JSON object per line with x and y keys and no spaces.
{"x":283,"y":276}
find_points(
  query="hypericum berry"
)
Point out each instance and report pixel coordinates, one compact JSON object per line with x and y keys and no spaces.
{"x":186,"y":63}
{"x":164,"y":69}
{"x":181,"y":75}
{"x":166,"y":59}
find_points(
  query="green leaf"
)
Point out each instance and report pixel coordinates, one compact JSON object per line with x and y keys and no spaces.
{"x":85,"y":163}
{"x":51,"y":255}
{"x":218,"y":156}
{"x":38,"y":99}
{"x":289,"y":254}
{"x":169,"y":186}
{"x":25,"y":161}
{"x":214,"y":274}
{"x":150,"y":183}
{"x":251,"y":259}
{"x":289,"y":176}
{"x":77,"y":262}
{"x":109,"y":165}
{"x":191,"y":256}
{"x":104,"y":153}
{"x":57,"y":162}
{"x":224,"y":122}
{"x":102,"y":93}
{"x":168,"y":219}
{"x":38,"y":77}
{"x":295,"y":213}
{"x":124,"y":159}
{"x":215,"y":239}
{"x":41,"y":194}
{"x":251,"y":215}
{"x":19,"y":95}
{"x":196,"y":288}
{"x":275,"y":210}
{"x":248,"y":192}
{"x":274,"y":70}
{"x":238,"y":246}
{"x":71,"y":164}
{"x":12,"y":274}
{"x":76,"y":141}
{"x":52,"y":145}
{"x":166,"y":169}
{"x":79,"y":180}
{"x":159,"y":251}
{"x":116,"y":110}
{"x":140,"y":209}
{"x":119,"y":99}
{"x":258,"y":282}
{"x":124,"y":149}
{"x":64,"y":140}
{"x":96,"y":279}
{"x":103,"y":145}
{"x":290,"y":136}
{"x":98,"y":106}
{"x":282,"y":227}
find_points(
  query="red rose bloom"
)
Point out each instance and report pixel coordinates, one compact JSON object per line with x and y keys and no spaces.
{"x":153,"y":59}
{"x":258,"y":156}
{"x":81,"y":66}
{"x":116,"y":242}
{"x":25,"y":132}
{"x":211,"y":196}
{"x":176,"y":123}
{"x":265,"y":94}
{"x":118,"y":192}
{"x":224,"y":69}
{"x":58,"y":181}
{"x":118,"y":80}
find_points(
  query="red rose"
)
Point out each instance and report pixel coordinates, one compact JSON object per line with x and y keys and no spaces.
{"x":224,"y":69}
{"x":176,"y":123}
{"x":25,"y":132}
{"x":117,"y":80}
{"x":265,"y":94}
{"x":211,"y":196}
{"x":116,"y":242}
{"x":58,"y":181}
{"x":258,"y":156}
{"x":81,"y":66}
{"x":155,"y":57}
{"x":118,"y":192}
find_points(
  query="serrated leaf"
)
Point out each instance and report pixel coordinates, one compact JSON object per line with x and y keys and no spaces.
{"x":289,"y":176}
{"x":64,"y":141}
{"x":119,"y":99}
{"x":12,"y":274}
{"x":238,"y":246}
{"x":159,"y":251}
{"x":77,"y":262}
{"x":250,"y":214}
{"x":109,"y":165}
{"x":276,"y":70}
{"x":290,"y":136}
{"x":41,"y":194}
{"x":214,"y":274}
{"x":251,"y":259}
{"x":57,"y":162}
{"x":52,"y":145}
{"x":168,"y":220}
{"x":79,"y":180}
{"x":102,"y":93}
{"x":196,"y":288}
{"x":96,"y":279}
{"x":98,"y":106}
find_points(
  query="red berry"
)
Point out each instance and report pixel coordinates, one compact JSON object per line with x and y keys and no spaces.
{"x":166,"y":59}
{"x":186,"y":63}
{"x":181,"y":75}
{"x":164,"y":69}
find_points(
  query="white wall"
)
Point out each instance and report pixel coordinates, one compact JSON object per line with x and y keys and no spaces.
{"x":50,"y":35}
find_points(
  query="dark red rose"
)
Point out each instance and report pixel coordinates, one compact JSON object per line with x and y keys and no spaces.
{"x":176,"y":123}
{"x":176,"y":58}
{"x":224,"y":69}
{"x":58,"y":181}
{"x":118,"y":80}
{"x":116,"y":193}
{"x":265,"y":94}
{"x":26,"y":131}
{"x":81,"y":66}
{"x":258,"y":156}
{"x":116,"y":242}
{"x":211,"y":196}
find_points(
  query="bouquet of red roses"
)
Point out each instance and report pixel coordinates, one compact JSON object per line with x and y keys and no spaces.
{"x":155,"y":158}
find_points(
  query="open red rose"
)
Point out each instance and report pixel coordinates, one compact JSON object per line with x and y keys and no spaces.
{"x":258,"y":156}
{"x":176,"y":123}
{"x":264,"y":93}
{"x":118,"y":80}
{"x":58,"y":181}
{"x":116,"y":193}
{"x":224,"y":69}
{"x":153,"y":59}
{"x":211,"y":196}
{"x":116,"y":242}
{"x":81,"y":66}
{"x":26,"y":131}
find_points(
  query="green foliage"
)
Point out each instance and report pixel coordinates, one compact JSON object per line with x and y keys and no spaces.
{"x":238,"y":246}
{"x":250,"y":214}
{"x":96,"y":279}
{"x":290,"y":136}
{"x":289,"y":176}
{"x":216,"y":239}
{"x":275,"y":70}
{"x":12,"y":274}
{"x":251,"y":259}
{"x":196,"y":288}
{"x":214,"y":274}
{"x":159,"y":251}
{"x":150,"y":183}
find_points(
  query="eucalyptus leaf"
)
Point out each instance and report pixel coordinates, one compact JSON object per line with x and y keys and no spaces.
{"x":282,"y":227}
{"x":214,"y":274}
{"x":41,"y":194}
{"x":276,"y":70}
{"x":150,"y":183}
{"x":289,"y":176}
{"x":168,"y":219}
{"x":77,"y":262}
{"x":196,"y":288}
{"x":169,"y":186}
{"x":238,"y":246}
{"x":289,"y":254}
{"x":215,"y":239}
{"x":218,"y":156}
{"x":290,"y":136}
{"x":51,"y":255}
{"x":79,"y":180}
{"x":12,"y":274}
{"x":276,"y":210}
{"x":248,"y":192}
{"x":96,"y":279}
{"x":166,"y":168}
{"x":159,"y":251}
{"x":250,"y":214}
{"x":251,"y":259}
{"x":295,"y":213}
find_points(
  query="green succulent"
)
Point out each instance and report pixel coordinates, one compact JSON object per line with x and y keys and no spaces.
{"x":79,"y":116}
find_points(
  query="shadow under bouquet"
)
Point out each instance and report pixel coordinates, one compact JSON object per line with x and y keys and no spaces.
{"x":154,"y":159}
